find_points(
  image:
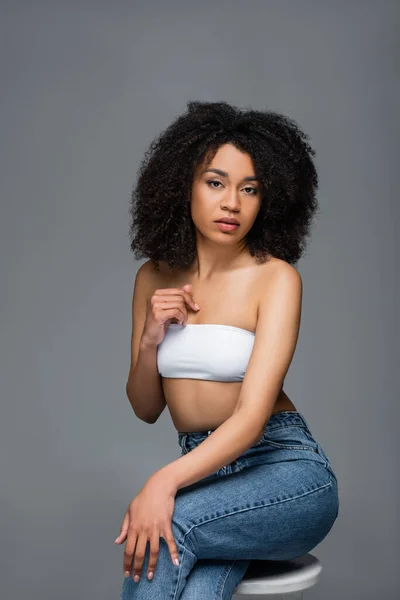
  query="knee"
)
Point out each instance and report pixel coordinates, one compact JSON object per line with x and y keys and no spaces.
{"x":183,"y":536}
{"x":183,"y":525}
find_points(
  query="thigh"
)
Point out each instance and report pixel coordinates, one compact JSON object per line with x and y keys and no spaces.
{"x":273,"y":511}
{"x":214,"y":579}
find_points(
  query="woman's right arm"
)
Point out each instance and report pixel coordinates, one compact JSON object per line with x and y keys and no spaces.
{"x":143,"y":388}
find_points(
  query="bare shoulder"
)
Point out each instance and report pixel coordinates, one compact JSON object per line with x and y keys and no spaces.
{"x":148,"y":269}
{"x":278,"y":277}
{"x":149,"y":277}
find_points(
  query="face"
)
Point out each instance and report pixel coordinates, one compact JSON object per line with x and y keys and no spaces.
{"x":227,"y":187}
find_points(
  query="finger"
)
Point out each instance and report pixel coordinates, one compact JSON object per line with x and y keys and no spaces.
{"x":171,"y":301}
{"x":139,"y":556}
{"x":170,"y":292}
{"x":173,"y":550}
{"x":153,"y":556}
{"x":182,"y":320}
{"x":170,"y":311}
{"x":124,"y":530}
{"x":189,"y":299}
{"x":129,"y":551}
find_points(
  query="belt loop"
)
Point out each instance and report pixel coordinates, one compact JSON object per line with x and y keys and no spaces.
{"x":183,"y":442}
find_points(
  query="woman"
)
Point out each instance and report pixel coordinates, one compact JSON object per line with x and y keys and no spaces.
{"x":216,"y":316}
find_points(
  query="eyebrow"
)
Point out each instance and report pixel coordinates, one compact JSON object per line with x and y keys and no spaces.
{"x":224,"y":174}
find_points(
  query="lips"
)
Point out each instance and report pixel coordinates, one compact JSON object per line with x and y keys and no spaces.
{"x":226,"y":226}
{"x":228,"y":221}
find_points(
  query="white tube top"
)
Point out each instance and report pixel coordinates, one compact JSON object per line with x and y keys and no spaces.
{"x":207,"y":351}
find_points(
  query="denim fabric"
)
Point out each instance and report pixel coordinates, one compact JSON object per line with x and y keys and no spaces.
{"x":277,"y":501}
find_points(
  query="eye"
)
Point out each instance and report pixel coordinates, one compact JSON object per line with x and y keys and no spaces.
{"x":210,"y":181}
{"x":254,"y":190}
{"x":213,"y":181}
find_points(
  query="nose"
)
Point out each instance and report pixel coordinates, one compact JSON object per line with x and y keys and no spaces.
{"x":231,"y":200}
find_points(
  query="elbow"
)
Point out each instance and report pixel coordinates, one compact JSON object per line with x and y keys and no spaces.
{"x":150,"y":420}
{"x":143,"y":416}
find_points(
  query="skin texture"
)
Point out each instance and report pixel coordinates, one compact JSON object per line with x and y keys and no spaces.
{"x":215,"y":196}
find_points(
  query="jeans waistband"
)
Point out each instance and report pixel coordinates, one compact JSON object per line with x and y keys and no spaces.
{"x":280,"y":419}
{"x":190,"y":439}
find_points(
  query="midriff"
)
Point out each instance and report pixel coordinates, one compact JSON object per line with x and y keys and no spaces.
{"x":197,"y":405}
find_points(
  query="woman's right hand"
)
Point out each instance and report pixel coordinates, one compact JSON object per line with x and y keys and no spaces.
{"x":166,"y":305}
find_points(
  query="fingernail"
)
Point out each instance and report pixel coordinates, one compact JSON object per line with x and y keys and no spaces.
{"x":150,"y":575}
{"x":136,"y":578}
{"x":126,"y":573}
{"x":197,"y":306}
{"x":116,"y":539}
{"x":176,"y":561}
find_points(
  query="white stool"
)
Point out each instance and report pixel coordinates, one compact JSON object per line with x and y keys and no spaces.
{"x":279,"y":578}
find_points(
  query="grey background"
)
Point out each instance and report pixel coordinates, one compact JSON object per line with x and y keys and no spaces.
{"x":85,"y":86}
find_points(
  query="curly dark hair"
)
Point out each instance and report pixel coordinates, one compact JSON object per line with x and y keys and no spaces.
{"x":162,"y":228}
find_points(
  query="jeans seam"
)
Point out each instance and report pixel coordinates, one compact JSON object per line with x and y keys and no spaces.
{"x":226,"y":574}
{"x":185,"y":549}
{"x":283,"y":426}
{"x":285,"y":446}
{"x":236,"y":512}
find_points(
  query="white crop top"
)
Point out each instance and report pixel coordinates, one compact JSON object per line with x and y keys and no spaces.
{"x":207,"y":351}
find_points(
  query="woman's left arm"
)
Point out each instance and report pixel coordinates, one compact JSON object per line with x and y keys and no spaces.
{"x":277,"y":332}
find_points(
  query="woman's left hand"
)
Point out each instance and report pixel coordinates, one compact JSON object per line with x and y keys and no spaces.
{"x":148,"y":517}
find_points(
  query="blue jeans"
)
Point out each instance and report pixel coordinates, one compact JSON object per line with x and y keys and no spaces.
{"x":277,"y":501}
